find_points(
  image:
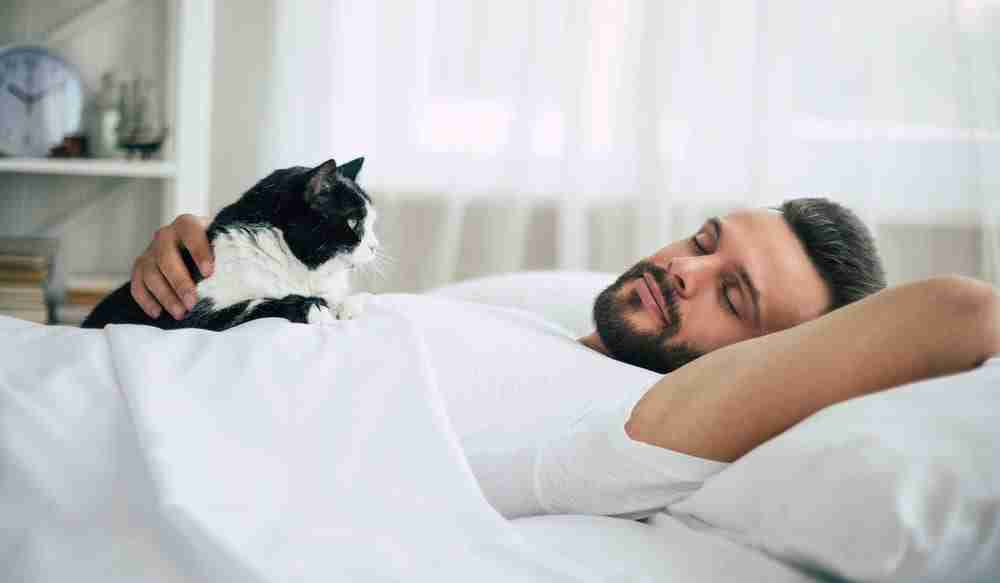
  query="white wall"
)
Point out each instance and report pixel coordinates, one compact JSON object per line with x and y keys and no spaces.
{"x":243,"y":50}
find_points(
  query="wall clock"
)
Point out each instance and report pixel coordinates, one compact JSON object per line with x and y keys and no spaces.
{"x":41,"y":100}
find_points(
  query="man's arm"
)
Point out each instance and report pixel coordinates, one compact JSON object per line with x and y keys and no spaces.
{"x":730,"y":401}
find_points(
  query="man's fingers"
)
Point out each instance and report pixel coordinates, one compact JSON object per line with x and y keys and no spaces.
{"x":168,"y":279}
{"x":160,"y":288}
{"x":142,"y":296}
{"x":191,"y":231}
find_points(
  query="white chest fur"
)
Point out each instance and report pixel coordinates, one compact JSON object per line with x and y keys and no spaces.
{"x":261,"y":266}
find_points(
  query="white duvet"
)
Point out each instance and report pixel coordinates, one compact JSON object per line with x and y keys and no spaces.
{"x":273,"y":452}
{"x":285,"y":452}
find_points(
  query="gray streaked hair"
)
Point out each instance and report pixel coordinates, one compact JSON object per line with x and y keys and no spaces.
{"x":840,"y":246}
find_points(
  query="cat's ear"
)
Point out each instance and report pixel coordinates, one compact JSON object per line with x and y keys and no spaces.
{"x":320,"y":179}
{"x":352,"y":168}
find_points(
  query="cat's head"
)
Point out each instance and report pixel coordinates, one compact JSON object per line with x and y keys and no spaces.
{"x":331,"y":217}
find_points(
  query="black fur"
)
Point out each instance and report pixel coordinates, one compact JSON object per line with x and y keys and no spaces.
{"x":311,"y":207}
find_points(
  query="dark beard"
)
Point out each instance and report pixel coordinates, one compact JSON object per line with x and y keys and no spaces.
{"x":649,"y":351}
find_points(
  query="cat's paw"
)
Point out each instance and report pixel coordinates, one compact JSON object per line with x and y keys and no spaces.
{"x":353,"y":306}
{"x":320,"y":315}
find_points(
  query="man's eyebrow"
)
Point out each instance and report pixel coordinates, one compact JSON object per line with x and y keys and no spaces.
{"x":741,"y":271}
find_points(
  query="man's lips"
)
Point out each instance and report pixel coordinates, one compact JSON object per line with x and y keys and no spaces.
{"x":652,"y":298}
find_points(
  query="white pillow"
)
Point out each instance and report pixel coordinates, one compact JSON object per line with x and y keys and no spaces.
{"x":902,"y":485}
{"x":563,"y":297}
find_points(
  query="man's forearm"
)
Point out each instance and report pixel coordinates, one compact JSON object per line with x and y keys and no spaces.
{"x":732,"y":400}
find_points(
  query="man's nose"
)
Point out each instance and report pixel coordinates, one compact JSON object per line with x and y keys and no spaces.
{"x":689,"y":275}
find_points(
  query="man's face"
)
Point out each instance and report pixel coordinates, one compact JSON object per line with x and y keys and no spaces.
{"x":737,"y":277}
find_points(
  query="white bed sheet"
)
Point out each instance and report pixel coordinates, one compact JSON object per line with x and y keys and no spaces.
{"x":665,"y":550}
{"x":273,"y":452}
{"x":132,"y":453}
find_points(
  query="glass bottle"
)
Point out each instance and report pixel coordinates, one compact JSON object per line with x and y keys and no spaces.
{"x":104,"y":136}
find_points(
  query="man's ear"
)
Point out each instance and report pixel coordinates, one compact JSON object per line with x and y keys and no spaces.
{"x":320,"y":179}
{"x":352,"y":168}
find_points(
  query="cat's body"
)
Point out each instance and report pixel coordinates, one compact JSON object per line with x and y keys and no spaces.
{"x":284,"y":249}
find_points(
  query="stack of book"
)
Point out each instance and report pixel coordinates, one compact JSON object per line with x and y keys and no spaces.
{"x":83,"y":292}
{"x":25,"y":263}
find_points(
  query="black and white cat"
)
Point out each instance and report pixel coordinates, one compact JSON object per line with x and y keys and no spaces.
{"x":284,"y":249}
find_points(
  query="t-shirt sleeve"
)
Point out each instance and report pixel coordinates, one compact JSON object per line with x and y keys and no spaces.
{"x":593,"y":468}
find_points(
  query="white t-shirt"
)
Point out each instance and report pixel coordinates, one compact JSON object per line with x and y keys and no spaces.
{"x":541,"y":417}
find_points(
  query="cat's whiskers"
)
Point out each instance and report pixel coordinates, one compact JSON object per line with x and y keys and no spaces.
{"x":384,"y":258}
{"x":374,"y":276}
{"x":375,"y":267}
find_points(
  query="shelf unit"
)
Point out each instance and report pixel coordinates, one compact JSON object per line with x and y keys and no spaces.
{"x":168,"y":41}
{"x":185,"y":168}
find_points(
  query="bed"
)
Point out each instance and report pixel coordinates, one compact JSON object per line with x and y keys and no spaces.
{"x":131,"y":454}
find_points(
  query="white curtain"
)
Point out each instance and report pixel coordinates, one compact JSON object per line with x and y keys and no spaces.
{"x":584,"y":134}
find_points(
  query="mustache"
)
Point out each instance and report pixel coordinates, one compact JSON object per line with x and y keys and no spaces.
{"x":666,"y":288}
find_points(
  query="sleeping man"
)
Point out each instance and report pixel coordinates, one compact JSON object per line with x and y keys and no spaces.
{"x":718,"y":342}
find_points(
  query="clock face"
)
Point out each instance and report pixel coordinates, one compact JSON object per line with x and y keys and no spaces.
{"x":41,"y":101}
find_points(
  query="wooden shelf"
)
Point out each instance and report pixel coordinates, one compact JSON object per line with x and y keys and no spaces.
{"x":89,"y":167}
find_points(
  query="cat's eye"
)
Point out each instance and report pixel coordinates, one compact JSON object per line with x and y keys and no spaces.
{"x":352,"y":224}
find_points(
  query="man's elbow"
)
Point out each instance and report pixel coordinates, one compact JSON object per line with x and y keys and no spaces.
{"x":653,"y":423}
{"x":633,"y":428}
{"x":643,"y":422}
{"x":975,"y":305}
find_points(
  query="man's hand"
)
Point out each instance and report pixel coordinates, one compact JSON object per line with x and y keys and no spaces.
{"x":159,"y":277}
{"x":730,"y":401}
